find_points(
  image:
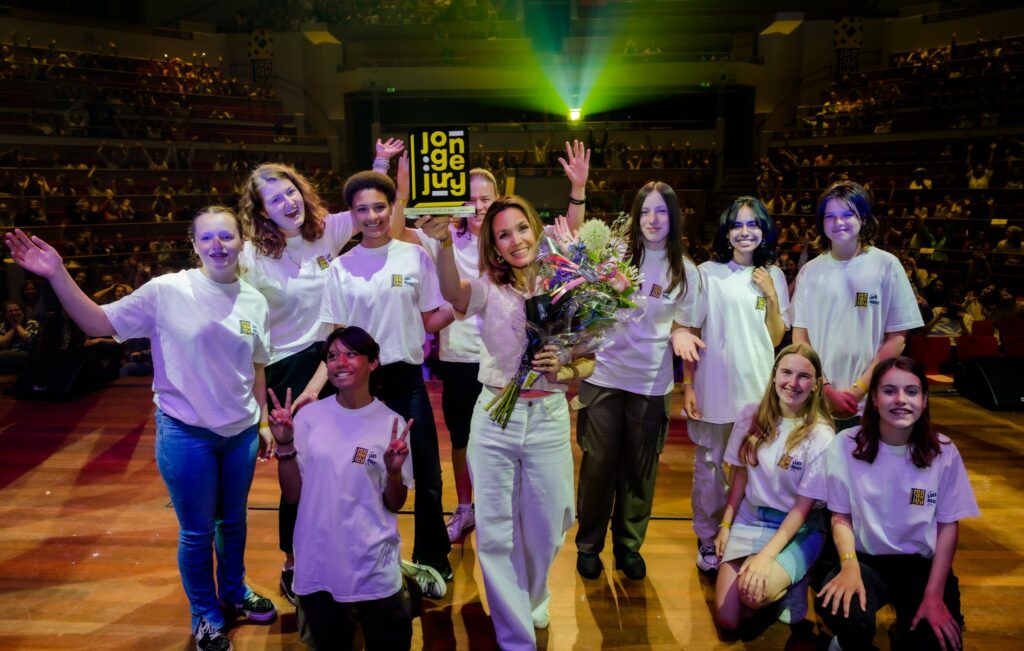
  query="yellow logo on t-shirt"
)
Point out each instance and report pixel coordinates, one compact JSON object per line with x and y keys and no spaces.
{"x":322,"y":262}
{"x":656,"y":291}
{"x":785,"y":461}
{"x":360,"y":455}
{"x":862,"y":299}
{"x":761,"y":304}
{"x":245,"y":327}
{"x":396,"y":280}
{"x":917,"y":496}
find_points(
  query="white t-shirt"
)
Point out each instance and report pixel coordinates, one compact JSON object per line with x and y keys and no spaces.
{"x":778,"y":476}
{"x":894,"y":505}
{"x":205,"y":338}
{"x":460,"y":341}
{"x":735,"y":367}
{"x":385,"y":291}
{"x":639,"y":359}
{"x":848,"y":306}
{"x":502,"y":310}
{"x":294,"y":285}
{"x":346,"y":541}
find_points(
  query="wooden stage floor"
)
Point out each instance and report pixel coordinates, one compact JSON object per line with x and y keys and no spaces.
{"x":87,"y":546}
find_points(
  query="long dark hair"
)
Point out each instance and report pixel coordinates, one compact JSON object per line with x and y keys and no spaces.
{"x":858,"y":199}
{"x":674,"y":245}
{"x":924,"y":441}
{"x":765,"y":253}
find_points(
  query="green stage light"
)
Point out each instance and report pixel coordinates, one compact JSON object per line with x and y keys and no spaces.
{"x":575,"y":114}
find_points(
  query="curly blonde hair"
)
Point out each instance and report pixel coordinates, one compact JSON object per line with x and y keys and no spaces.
{"x":265,"y":235}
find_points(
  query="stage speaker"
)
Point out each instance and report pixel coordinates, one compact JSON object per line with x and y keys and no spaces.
{"x":995,"y":383}
{"x":66,"y":375}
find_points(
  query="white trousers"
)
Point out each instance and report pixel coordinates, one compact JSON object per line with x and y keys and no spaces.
{"x":523,"y":481}
{"x":710,"y":489}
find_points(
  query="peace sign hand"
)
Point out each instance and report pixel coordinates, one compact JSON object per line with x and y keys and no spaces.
{"x":398,"y":449}
{"x":280,"y":418}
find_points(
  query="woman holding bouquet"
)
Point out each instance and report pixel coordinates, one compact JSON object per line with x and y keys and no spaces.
{"x":522,"y":472}
{"x":742,"y":319}
{"x":460,"y":342}
{"x":624,"y":422}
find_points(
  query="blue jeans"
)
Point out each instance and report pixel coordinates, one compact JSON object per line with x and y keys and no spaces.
{"x":208,"y":477}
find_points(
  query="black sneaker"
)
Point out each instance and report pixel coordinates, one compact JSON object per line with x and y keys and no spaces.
{"x":632,"y":564}
{"x":588,"y":565}
{"x":286,"y":586}
{"x":209,"y":638}
{"x":256,"y":608}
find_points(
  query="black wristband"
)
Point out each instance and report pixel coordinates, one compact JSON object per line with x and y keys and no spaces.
{"x":577,"y":202}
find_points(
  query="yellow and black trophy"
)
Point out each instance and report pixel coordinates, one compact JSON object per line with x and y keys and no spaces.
{"x":439,"y":172}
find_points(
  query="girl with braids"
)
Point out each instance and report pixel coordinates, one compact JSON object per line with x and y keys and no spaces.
{"x":293,"y":240}
{"x":897,"y":490}
{"x":770,"y":533}
{"x":742,"y":319}
{"x":623,"y":424}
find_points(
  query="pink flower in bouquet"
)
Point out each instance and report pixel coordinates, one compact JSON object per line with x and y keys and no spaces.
{"x":619,"y":282}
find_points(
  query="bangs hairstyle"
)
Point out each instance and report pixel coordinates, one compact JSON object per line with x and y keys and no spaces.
{"x":815,"y":411}
{"x":355,"y":339}
{"x":674,"y":244}
{"x":858,"y":199}
{"x":764,"y":254}
{"x":265,"y":235}
{"x":483,"y":175}
{"x":368,"y":181}
{"x":924,"y":442}
{"x":491,"y":263}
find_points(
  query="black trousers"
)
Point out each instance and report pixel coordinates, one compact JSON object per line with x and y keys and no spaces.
{"x":897,"y":579}
{"x":387,"y":622}
{"x":400,"y":386}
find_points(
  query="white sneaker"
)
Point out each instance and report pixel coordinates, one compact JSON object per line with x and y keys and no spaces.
{"x":793,"y":605}
{"x":427,"y":578}
{"x":461,"y":521}
{"x":707,"y":559}
{"x":541,"y":620}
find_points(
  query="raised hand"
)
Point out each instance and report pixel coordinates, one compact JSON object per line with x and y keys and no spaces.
{"x":398,"y":449}
{"x":576,"y":163}
{"x":389,"y":149}
{"x":33,"y":254}
{"x":280,"y":418}
{"x":403,"y":184}
{"x":562,"y":233}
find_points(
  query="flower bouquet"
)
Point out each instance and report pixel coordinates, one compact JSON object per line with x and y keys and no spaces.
{"x":587,"y":297}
